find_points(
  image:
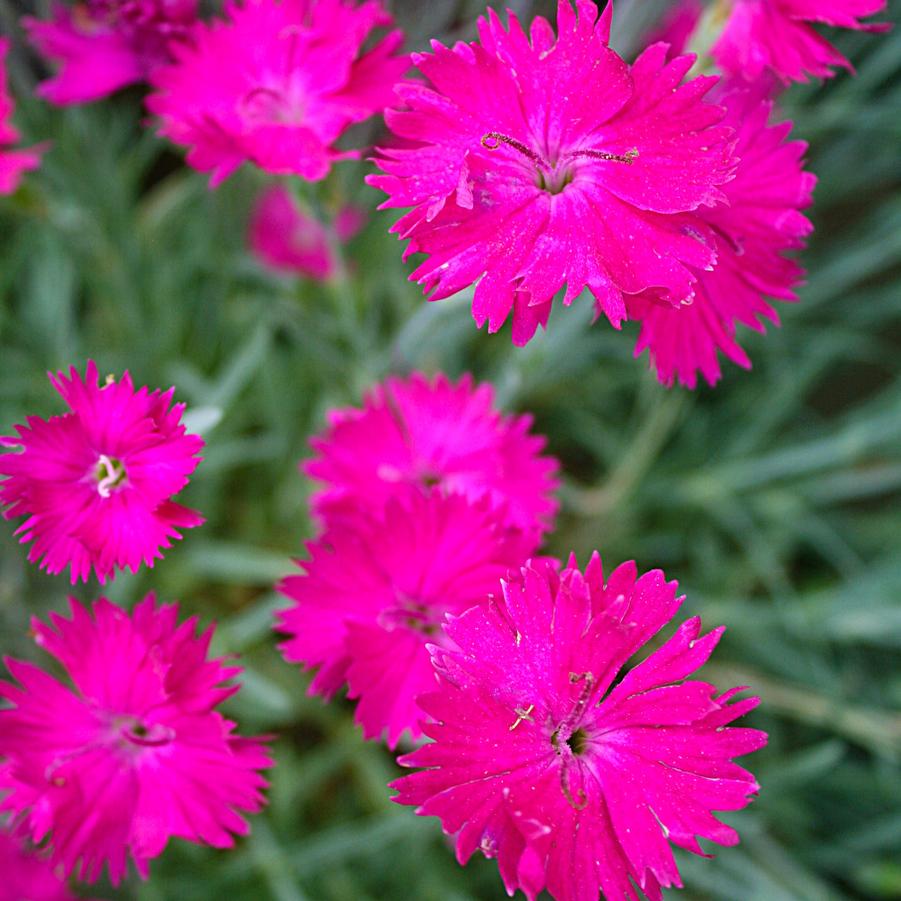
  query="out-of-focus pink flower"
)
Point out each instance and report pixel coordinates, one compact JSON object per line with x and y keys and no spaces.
{"x":105,"y":45}
{"x":95,"y":484}
{"x":286,"y":237}
{"x":539,"y":162}
{"x":762,"y":36}
{"x":376,"y":589}
{"x":571,"y":783}
{"x":13,"y":163}
{"x":422,"y":432}
{"x":26,"y":875}
{"x":134,"y":752}
{"x":350,"y":221}
{"x":678,"y":25}
{"x":276,"y":84}
{"x":761,"y":222}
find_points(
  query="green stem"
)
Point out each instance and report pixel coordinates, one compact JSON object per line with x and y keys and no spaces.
{"x":636,"y":461}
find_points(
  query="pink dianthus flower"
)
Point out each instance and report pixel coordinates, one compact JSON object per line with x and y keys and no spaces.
{"x":134,"y":752}
{"x":26,"y":875}
{"x":95,"y":484}
{"x":376,"y":589}
{"x":538,"y":760}
{"x":763,"y":36}
{"x":277,"y":83}
{"x":287,"y":238}
{"x":417,"y":431}
{"x":538,"y":162}
{"x":105,"y":45}
{"x":754,"y":230}
{"x":13,"y":163}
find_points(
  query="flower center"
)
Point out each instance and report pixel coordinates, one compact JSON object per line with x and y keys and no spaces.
{"x":554,"y":177}
{"x":136,"y":732}
{"x":270,"y":106}
{"x":411,"y":613}
{"x":109,"y":474}
{"x":578,"y":741}
{"x":428,"y":478}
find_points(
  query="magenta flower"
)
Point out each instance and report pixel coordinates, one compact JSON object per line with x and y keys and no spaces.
{"x":96,"y":483}
{"x":763,"y":36}
{"x":13,"y":163}
{"x":134,"y":752}
{"x":26,"y":875}
{"x":105,"y":45}
{"x":569,"y":782}
{"x":375,"y":590}
{"x":421,"y":432}
{"x":277,"y":84}
{"x":536,"y":163}
{"x":287,"y":238}
{"x":761,"y":222}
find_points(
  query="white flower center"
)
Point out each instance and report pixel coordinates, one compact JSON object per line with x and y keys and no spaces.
{"x":110,"y":475}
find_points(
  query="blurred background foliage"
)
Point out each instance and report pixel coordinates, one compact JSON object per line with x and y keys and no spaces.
{"x":773,"y":499}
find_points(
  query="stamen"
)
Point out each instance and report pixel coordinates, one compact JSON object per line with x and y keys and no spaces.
{"x":153,"y":736}
{"x":582,"y":701}
{"x":110,"y":473}
{"x":264,"y":105}
{"x":493,"y":139}
{"x":628,"y":157}
{"x":293,"y":34}
{"x":580,"y":802}
{"x":522,"y":713}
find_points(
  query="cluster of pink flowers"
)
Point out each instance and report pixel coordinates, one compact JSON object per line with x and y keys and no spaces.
{"x":532,"y":162}
{"x":429,"y":496}
{"x":133,"y":752}
{"x":424,"y":595}
{"x":536,"y":162}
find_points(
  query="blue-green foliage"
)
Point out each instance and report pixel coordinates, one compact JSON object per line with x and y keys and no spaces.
{"x":773,"y":499}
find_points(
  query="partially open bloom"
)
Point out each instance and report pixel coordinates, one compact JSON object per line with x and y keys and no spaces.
{"x":761,"y":222}
{"x":95,"y":484}
{"x":133,"y":752}
{"x":276,"y":84}
{"x":26,"y":875}
{"x":777,"y":36}
{"x":13,"y":163}
{"x":105,"y":45}
{"x":538,"y":760}
{"x":375,"y":590}
{"x":536,"y":162}
{"x":287,"y":238}
{"x":422,"y":432}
